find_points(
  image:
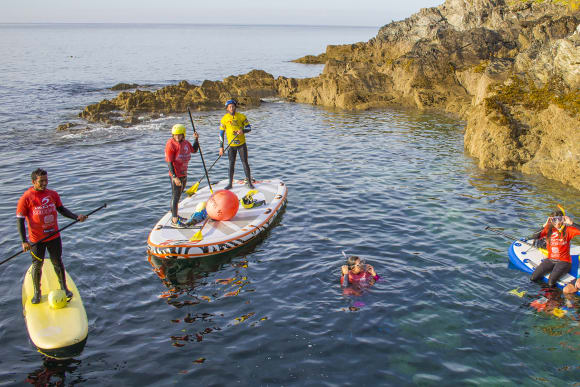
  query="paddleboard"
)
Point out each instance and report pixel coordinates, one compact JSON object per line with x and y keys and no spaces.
{"x":219,"y":237}
{"x":57,"y":333}
{"x":527,"y":258}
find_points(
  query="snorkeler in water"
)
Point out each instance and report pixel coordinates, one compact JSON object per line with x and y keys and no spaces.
{"x":357,"y":272}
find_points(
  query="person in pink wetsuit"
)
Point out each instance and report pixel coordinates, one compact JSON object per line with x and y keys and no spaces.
{"x":357,"y":275}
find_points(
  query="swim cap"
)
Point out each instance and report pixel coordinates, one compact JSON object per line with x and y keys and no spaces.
{"x":178,"y":129}
{"x":57,"y":299}
{"x":231,"y":101}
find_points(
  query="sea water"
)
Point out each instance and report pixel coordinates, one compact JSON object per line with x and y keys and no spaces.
{"x":393,"y":186}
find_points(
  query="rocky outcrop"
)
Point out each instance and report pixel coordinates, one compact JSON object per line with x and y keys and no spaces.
{"x":312,"y":59}
{"x":124,"y":86}
{"x":129,"y":108}
{"x":510,"y":68}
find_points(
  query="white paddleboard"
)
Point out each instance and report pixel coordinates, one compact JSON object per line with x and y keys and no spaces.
{"x":166,"y":241}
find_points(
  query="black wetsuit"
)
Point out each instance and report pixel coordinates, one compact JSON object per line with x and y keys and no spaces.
{"x":243,"y":151}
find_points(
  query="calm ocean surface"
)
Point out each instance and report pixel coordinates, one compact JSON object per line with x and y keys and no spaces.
{"x":393,"y":186}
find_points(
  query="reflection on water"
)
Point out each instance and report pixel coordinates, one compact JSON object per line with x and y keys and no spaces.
{"x":189,"y":284}
{"x":54,"y":373}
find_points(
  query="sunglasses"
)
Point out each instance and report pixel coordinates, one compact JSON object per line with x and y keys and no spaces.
{"x":360,"y":264}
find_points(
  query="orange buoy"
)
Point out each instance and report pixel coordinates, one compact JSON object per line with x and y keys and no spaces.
{"x":222,"y":205}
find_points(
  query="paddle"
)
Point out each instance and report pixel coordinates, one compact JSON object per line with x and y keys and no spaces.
{"x":53,"y":234}
{"x":198,"y":235}
{"x":193,"y":189}
{"x":494,"y":230}
{"x":200,"y":152}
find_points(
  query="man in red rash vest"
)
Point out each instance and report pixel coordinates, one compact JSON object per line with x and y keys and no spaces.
{"x":39,"y":206}
{"x":558,"y":232}
{"x":177,"y":155}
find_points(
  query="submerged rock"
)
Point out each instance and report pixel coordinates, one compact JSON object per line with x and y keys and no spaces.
{"x":67,"y":126}
{"x":124,"y":86}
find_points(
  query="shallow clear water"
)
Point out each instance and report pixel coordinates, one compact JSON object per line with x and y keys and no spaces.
{"x":393,"y":186}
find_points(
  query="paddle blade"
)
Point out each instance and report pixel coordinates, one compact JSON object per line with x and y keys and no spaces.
{"x":544,"y":251}
{"x":196,"y":237}
{"x":562,"y":209}
{"x":193,"y":189}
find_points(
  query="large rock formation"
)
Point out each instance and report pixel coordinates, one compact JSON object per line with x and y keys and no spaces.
{"x":127,"y":107}
{"x":510,"y":68}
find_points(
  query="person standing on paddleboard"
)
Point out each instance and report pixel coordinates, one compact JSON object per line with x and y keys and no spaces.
{"x":558,"y":232}
{"x":177,"y":155}
{"x":234,"y":125}
{"x":39,"y":206}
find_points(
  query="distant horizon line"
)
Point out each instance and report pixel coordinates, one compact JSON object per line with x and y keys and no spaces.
{"x":190,"y":24}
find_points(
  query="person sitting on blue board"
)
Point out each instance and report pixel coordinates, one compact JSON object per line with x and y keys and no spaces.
{"x":177,"y":155}
{"x":39,"y":207}
{"x":357,"y":273}
{"x":235,"y":125}
{"x":558,"y":231}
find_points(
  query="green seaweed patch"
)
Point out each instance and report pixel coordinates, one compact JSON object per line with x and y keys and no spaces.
{"x":520,"y":92}
{"x":574,"y":5}
{"x":480,"y":68}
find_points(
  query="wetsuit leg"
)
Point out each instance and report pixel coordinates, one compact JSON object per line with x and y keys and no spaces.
{"x":545,"y":267}
{"x":37,"y":251}
{"x":560,"y":268}
{"x":243,"y":149}
{"x":176,"y":192}
{"x":55,"y":251}
{"x":232,"y":152}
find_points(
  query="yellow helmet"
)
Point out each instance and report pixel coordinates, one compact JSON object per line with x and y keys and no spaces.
{"x":248,"y":200}
{"x":57,"y":299}
{"x":178,"y":129}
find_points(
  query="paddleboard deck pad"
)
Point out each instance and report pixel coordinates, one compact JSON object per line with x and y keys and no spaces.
{"x":527,"y":258}
{"x":219,"y":237}
{"x":56,"y":333}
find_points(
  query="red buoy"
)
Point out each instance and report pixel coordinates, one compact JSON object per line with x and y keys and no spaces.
{"x":222,"y":205}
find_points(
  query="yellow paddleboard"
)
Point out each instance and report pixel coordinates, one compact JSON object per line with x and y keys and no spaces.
{"x":57,"y":333}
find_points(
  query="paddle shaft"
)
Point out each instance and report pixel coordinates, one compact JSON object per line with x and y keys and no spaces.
{"x":508,"y":236}
{"x":200,"y":152}
{"x":53,"y":234}
{"x":219,"y":157}
{"x":198,"y":235}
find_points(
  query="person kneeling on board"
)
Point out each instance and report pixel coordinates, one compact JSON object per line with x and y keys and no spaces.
{"x":356,"y":272}
{"x":558,"y":231}
{"x":177,"y":155}
{"x":39,"y":207}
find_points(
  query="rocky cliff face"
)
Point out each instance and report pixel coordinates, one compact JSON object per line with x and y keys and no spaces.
{"x":510,"y":68}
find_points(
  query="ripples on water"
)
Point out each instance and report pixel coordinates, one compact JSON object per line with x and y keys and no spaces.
{"x":393,"y":186}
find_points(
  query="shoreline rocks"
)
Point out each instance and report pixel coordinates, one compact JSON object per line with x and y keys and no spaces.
{"x":509,"y":68}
